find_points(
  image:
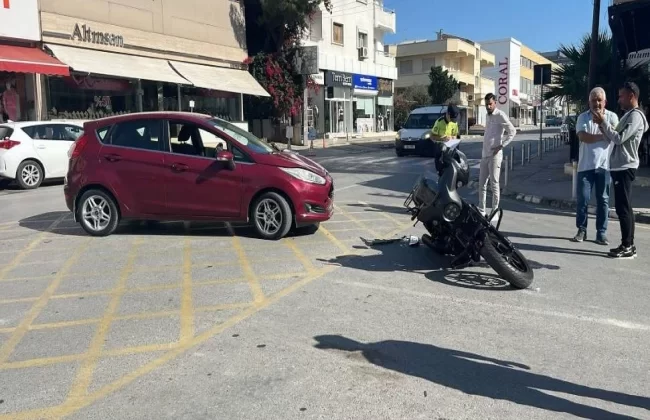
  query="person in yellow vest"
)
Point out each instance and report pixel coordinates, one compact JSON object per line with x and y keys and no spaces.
{"x":446,"y":127}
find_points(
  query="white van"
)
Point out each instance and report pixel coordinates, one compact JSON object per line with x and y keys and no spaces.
{"x":414,"y":136}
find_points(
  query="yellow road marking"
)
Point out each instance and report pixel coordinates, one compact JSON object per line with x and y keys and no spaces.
{"x":357,"y":222}
{"x":87,"y":368}
{"x":300,"y":256}
{"x":8,"y":347}
{"x":244,"y":262}
{"x":334,"y":240}
{"x":29,"y":248}
{"x":187,"y":314}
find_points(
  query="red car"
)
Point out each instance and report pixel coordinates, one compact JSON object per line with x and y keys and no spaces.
{"x":188,"y":166}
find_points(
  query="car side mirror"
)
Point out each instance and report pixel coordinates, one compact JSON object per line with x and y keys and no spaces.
{"x":227,"y":158}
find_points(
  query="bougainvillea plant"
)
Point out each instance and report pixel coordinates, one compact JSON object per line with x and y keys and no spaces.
{"x":284,"y":23}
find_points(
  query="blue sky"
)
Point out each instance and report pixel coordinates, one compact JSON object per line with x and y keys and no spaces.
{"x":540,"y":25}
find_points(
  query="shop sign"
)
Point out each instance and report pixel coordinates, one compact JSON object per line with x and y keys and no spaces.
{"x":385,"y":87}
{"x":84,"y":33}
{"x":502,"y":85}
{"x":20,"y":20}
{"x":362,"y":82}
{"x":318,"y":78}
{"x":338,"y":79}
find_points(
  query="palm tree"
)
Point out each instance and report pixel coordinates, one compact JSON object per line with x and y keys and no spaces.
{"x":571,"y":82}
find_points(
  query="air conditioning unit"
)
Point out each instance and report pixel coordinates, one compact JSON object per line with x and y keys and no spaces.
{"x":470,"y":97}
{"x":363,"y":52}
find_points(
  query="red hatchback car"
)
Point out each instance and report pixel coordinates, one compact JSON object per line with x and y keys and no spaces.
{"x":188,"y":166}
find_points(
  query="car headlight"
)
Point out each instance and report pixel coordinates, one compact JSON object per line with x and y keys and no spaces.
{"x":305,"y":175}
{"x":426,"y":136}
{"x":451,"y":211}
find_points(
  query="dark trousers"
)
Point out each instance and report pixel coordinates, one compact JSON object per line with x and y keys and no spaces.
{"x":623,"y":202}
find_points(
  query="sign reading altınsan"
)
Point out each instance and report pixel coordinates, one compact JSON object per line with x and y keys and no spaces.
{"x":84,"y":33}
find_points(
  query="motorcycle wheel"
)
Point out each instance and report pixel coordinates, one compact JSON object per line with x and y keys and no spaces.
{"x":507,"y":261}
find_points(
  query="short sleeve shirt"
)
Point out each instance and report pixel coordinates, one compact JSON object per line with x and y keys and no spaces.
{"x":443,"y":128}
{"x":594,"y":155}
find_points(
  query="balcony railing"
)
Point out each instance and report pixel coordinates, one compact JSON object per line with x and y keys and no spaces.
{"x":385,"y":19}
{"x":384,"y":59}
{"x":460,"y":98}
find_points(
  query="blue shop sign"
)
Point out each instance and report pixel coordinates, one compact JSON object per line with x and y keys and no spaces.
{"x":361,"y":82}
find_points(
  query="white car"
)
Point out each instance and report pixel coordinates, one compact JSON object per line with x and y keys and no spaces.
{"x":33,"y":151}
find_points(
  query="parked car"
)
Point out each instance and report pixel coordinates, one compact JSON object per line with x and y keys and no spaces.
{"x":33,"y":151}
{"x":553,"y":121}
{"x":414,"y":138}
{"x":189,"y":166}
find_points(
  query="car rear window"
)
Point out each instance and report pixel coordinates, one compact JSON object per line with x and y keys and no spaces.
{"x":102,"y":132}
{"x":5,"y":132}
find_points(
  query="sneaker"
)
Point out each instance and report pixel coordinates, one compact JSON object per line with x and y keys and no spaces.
{"x":580,"y":236}
{"x":623,"y":252}
{"x":602,"y":240}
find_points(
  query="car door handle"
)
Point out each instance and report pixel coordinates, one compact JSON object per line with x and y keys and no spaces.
{"x":113,"y":157}
{"x":180,"y":167}
{"x":41,"y":146}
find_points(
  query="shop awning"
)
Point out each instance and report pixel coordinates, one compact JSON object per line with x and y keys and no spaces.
{"x":30,"y":60}
{"x":220,"y":78}
{"x":116,"y":65}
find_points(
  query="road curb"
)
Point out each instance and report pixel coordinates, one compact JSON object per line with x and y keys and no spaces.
{"x":639,"y":217}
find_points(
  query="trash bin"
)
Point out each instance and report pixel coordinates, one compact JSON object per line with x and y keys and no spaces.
{"x":574,"y":146}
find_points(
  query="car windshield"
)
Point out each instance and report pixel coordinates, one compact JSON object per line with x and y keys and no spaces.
{"x":421,"y":121}
{"x":241,"y":136}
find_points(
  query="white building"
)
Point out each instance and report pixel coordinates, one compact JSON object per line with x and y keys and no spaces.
{"x":516,"y":94}
{"x":357,"y":73}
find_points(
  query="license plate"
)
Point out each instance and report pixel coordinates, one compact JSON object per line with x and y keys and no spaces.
{"x":409,"y":146}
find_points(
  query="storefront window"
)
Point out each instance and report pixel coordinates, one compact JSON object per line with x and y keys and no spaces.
{"x":17,"y":97}
{"x":89,"y":97}
{"x":364,"y":114}
{"x":224,"y":105}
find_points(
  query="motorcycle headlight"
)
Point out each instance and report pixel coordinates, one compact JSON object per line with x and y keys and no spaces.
{"x":451,"y":211}
{"x":305,"y":175}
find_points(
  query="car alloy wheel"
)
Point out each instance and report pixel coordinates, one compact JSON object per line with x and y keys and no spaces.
{"x":96,"y":213}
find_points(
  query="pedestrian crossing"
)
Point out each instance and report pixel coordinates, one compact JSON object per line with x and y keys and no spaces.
{"x":376,"y":162}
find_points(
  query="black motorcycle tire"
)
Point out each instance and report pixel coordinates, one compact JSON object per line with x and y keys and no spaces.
{"x":517,"y":278}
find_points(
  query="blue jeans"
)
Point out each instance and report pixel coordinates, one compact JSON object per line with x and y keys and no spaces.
{"x":598,"y":179}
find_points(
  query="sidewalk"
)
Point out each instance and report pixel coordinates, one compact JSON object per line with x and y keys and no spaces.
{"x":545,"y":182}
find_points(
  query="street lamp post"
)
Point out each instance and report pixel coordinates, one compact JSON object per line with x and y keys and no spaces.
{"x":594,"y":43}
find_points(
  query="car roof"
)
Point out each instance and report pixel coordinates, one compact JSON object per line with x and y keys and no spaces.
{"x":21,"y":124}
{"x":192,"y":116}
{"x":436,"y":109}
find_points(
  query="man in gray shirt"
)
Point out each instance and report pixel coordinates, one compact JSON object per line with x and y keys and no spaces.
{"x":593,"y":167}
{"x":624,"y":161}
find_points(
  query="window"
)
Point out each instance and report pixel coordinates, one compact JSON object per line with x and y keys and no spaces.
{"x":63,"y":132}
{"x":406,"y":67}
{"x":427,"y":63}
{"x":421,"y":121}
{"x":362,"y":41}
{"x":137,"y":134}
{"x":101,"y":133}
{"x":5,"y":132}
{"x":337,"y":33}
{"x":242,"y":137}
{"x":189,"y":139}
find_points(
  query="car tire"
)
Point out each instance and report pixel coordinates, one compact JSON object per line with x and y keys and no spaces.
{"x":271,"y":216}
{"x":105,"y":225}
{"x":399,"y":154}
{"x":32,"y":177}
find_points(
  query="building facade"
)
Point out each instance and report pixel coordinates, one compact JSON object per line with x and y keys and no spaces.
{"x":21,"y":60}
{"x":148,"y":56}
{"x":462,"y":58}
{"x":513,"y":74}
{"x":355,"y":72}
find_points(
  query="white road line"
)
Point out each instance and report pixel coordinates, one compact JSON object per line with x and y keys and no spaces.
{"x":574,"y":317}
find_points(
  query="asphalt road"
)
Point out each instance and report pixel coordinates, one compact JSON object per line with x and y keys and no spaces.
{"x":192,"y":322}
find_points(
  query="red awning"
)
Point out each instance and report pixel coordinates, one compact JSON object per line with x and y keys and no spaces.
{"x":30,"y":60}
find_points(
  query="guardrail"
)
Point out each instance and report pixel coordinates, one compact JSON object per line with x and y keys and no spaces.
{"x":530,"y":150}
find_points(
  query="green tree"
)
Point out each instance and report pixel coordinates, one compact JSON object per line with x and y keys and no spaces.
{"x":274,"y":31}
{"x":408,"y":99}
{"x":442,"y":85}
{"x":570,"y":81}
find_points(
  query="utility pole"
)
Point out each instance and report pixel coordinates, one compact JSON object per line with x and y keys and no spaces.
{"x":594,"y":43}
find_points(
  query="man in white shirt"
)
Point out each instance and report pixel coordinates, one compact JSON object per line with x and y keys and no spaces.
{"x":498,"y":122}
{"x":593,"y":167}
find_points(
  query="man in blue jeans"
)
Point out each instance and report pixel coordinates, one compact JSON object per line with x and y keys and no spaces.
{"x":593,"y":167}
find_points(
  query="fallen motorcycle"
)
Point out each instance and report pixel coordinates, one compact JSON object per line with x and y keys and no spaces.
{"x":456,"y":227}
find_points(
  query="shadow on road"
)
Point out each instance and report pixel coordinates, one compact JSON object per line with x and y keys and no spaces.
{"x":43,"y":222}
{"x":399,"y":257}
{"x":483,"y":376}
